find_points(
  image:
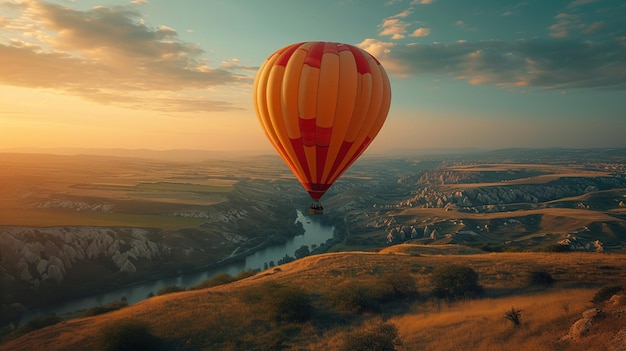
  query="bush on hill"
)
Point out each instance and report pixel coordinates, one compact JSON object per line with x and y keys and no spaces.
{"x":170,"y":289}
{"x":288,"y":304}
{"x":219,"y":279}
{"x":223,"y":278}
{"x":280,"y":303}
{"x":128,"y":335}
{"x":97,"y":310}
{"x":455,"y":282}
{"x":355,"y":296}
{"x":382,"y":337}
{"x":540,"y":278}
{"x":41,"y":322}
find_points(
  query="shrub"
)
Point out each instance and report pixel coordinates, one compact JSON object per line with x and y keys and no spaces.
{"x":558,"y":248}
{"x":170,"y":289}
{"x":245,"y":274}
{"x":218,"y":279}
{"x":398,"y":286}
{"x":383,"y":337}
{"x":97,"y":310}
{"x":128,"y":335}
{"x":355,"y":296}
{"x":288,"y":304}
{"x":540,"y":278}
{"x":606,"y":293}
{"x":303,"y":251}
{"x":42,"y":321}
{"x":514,"y":316}
{"x":223,"y":278}
{"x":279,"y":303}
{"x":455,"y":281}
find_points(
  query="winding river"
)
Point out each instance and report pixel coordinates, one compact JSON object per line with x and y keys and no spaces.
{"x":314,"y":234}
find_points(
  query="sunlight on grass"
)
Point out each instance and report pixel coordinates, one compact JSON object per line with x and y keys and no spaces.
{"x":480,"y":324}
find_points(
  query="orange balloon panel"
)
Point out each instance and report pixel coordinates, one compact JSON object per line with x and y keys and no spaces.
{"x":321,"y":104}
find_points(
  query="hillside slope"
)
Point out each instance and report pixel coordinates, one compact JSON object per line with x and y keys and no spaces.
{"x":240,"y":315}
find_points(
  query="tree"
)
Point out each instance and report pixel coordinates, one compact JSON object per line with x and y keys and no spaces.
{"x":455,"y":281}
{"x":128,"y":334}
{"x":170,"y":289}
{"x":218,"y":279}
{"x":382,"y":337}
{"x":288,"y":304}
{"x":279,"y":303}
{"x":286,"y":259}
{"x":353,"y":296}
{"x":540,"y":278}
{"x":398,"y":286}
{"x":303,"y":251}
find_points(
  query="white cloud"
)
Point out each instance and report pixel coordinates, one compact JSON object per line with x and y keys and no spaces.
{"x":396,"y":28}
{"x":420,"y":32}
{"x":376,"y":47}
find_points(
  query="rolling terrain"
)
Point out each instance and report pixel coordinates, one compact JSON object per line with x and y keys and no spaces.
{"x":242,"y":315}
{"x":135,"y":218}
{"x":66,"y":219}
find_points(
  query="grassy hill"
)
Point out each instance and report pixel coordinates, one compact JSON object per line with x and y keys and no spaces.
{"x":322,"y":302}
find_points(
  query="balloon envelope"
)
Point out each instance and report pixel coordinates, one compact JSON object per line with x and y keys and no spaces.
{"x":321,"y":104}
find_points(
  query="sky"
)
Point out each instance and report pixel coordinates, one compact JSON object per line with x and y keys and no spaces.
{"x":159,"y":74}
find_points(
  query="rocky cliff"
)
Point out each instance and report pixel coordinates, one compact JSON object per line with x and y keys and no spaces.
{"x":39,"y":254}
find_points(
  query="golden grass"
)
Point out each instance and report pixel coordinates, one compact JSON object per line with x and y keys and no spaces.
{"x":194,"y":318}
{"x":480,"y":324}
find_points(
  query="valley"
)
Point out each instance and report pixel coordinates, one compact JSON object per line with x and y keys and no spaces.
{"x":71,"y":226}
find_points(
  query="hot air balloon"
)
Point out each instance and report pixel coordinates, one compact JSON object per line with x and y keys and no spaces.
{"x":321,"y":104}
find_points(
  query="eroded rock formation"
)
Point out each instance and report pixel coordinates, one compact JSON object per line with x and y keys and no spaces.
{"x":38,"y":254}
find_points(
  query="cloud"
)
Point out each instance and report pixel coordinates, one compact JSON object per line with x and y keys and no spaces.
{"x":420,"y":32}
{"x":105,"y":54}
{"x":577,"y":3}
{"x":585,"y":48}
{"x":542,"y":63}
{"x":396,"y":28}
{"x":588,"y":18}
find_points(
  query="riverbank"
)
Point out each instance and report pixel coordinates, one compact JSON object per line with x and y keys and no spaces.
{"x":314,"y":234}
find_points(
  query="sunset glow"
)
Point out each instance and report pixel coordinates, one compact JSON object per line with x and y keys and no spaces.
{"x":164,"y":75}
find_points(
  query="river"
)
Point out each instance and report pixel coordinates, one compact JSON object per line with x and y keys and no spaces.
{"x":315,"y":233}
